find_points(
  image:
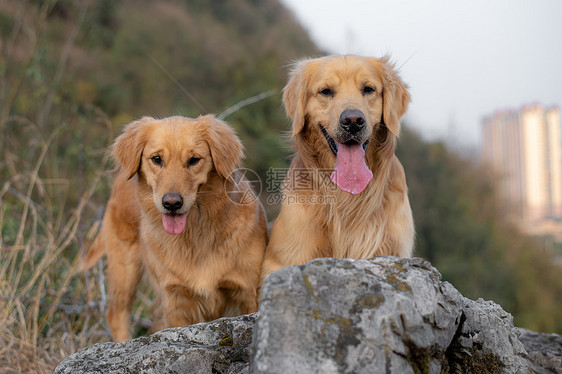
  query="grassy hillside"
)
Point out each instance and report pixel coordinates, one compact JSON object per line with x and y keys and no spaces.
{"x":71,"y":64}
{"x":72,"y":73}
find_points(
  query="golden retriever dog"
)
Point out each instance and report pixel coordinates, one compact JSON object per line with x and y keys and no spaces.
{"x":177,"y":210}
{"x":345,"y":193}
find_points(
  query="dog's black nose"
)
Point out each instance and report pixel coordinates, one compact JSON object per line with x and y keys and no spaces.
{"x":352,"y":120}
{"x":172,"y":201}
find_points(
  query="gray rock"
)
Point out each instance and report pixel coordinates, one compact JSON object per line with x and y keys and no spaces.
{"x":385,"y":315}
{"x":544,"y":351}
{"x":221,"y":346}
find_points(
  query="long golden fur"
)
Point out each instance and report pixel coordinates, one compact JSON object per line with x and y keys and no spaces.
{"x":317,"y":218}
{"x":176,"y":175}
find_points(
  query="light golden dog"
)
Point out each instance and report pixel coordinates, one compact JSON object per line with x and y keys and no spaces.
{"x":180,"y":210}
{"x":345,"y":194}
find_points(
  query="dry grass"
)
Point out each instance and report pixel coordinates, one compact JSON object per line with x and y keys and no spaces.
{"x":47,"y":310}
{"x":53,"y":187}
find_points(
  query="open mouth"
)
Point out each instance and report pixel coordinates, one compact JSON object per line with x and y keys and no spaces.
{"x":334,"y":145}
{"x":330,"y":141}
{"x":351,"y":173}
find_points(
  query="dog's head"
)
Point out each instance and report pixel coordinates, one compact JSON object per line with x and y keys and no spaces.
{"x":344,"y":100}
{"x":173,"y":158}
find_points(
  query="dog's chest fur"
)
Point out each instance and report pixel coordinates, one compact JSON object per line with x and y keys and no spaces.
{"x":200,"y":259}
{"x":375,"y":223}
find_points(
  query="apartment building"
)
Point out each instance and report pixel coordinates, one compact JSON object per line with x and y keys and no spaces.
{"x":524,"y":148}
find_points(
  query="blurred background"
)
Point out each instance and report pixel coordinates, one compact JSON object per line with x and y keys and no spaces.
{"x":480,"y":143}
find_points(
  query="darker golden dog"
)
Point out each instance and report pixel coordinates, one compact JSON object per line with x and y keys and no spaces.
{"x":353,"y":201}
{"x":175,"y":210}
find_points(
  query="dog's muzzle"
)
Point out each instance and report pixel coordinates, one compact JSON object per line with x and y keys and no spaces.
{"x":351,"y":130}
{"x":352,"y":121}
{"x":172,"y":202}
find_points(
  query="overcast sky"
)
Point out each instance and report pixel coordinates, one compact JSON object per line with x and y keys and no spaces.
{"x":462,"y":59}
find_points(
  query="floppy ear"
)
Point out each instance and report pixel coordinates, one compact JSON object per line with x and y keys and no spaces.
{"x":395,"y":97}
{"x":295,"y":96}
{"x":127,"y":149}
{"x":226,"y":148}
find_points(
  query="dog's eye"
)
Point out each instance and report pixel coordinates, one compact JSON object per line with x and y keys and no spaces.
{"x":368,"y":90}
{"x":193,"y":161}
{"x":326,"y":92}
{"x":157,"y":160}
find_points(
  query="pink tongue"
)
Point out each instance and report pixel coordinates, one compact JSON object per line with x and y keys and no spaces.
{"x":351,"y":174}
{"x":174,"y":223}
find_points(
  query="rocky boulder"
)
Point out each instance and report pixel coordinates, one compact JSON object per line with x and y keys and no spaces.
{"x":385,"y":315}
{"x":221,"y":346}
{"x":544,"y":351}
